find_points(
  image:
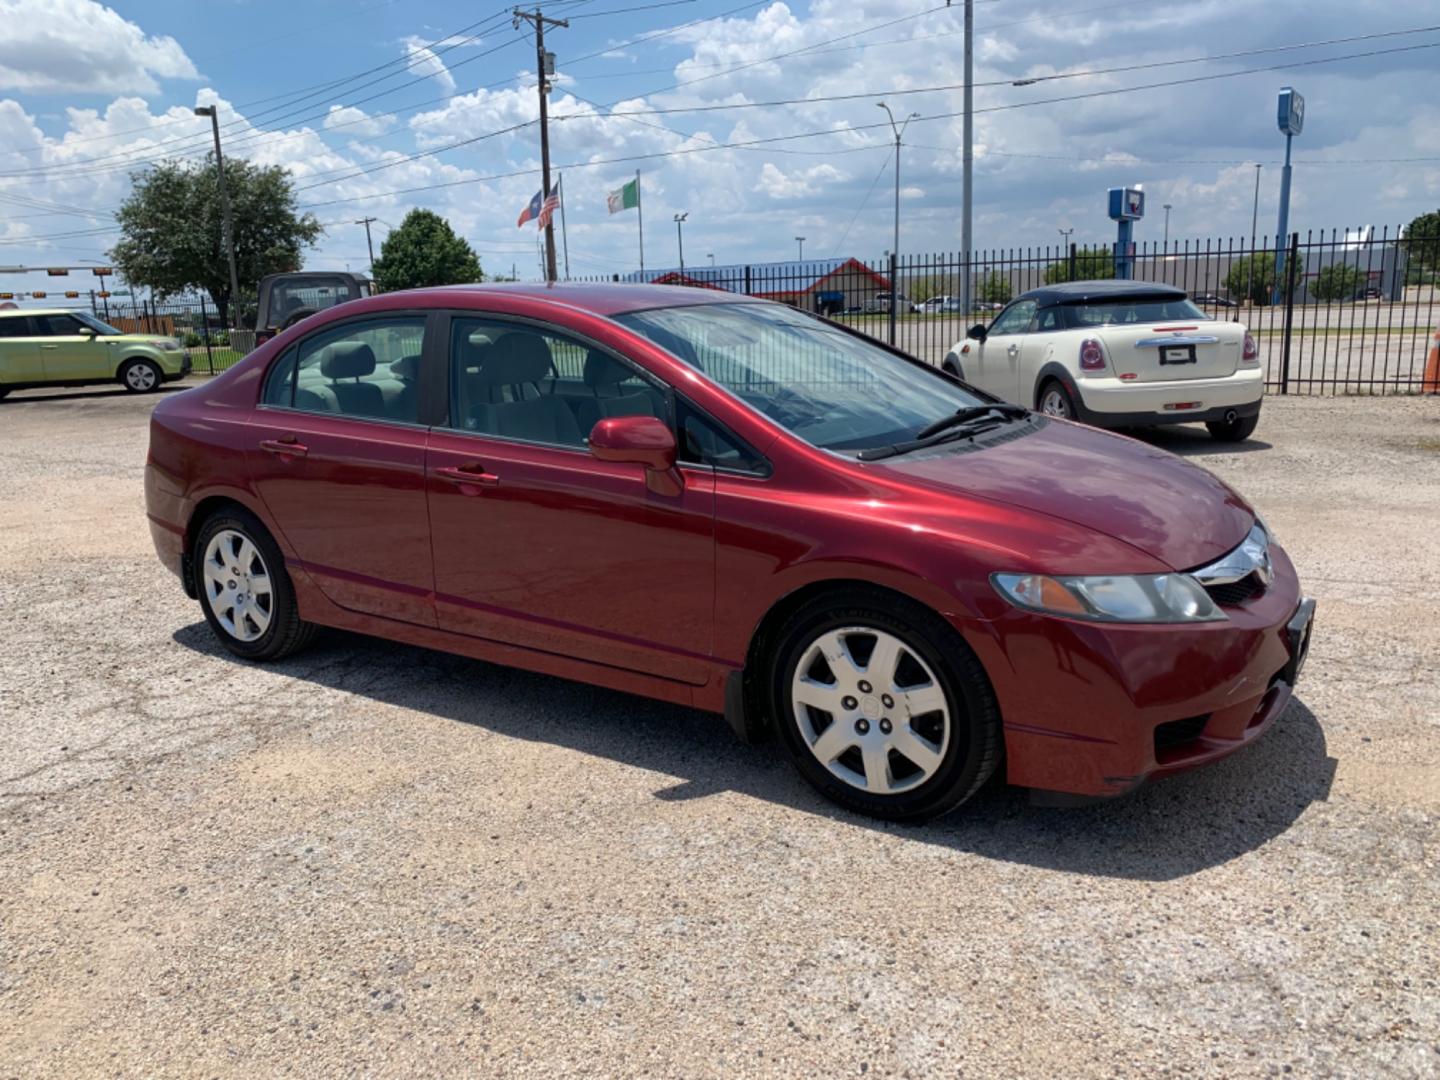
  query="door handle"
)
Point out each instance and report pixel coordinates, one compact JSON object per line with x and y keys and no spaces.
{"x":473,"y":473}
{"x":1013,"y":349}
{"x":49,"y":346}
{"x":285,"y":447}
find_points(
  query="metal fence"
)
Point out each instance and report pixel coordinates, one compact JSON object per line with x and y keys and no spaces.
{"x":1337,"y":312}
{"x":193,"y":321}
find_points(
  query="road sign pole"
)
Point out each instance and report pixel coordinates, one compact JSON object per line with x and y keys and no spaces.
{"x":1281,"y":231}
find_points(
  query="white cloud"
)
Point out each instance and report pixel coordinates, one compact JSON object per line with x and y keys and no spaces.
{"x":356,"y":122}
{"x":423,"y":61}
{"x":80,"y":46}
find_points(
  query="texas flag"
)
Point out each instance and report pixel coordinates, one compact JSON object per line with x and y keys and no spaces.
{"x":531,"y":212}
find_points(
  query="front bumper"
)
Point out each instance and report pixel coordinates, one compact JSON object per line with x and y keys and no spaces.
{"x":186,"y":366}
{"x":1110,"y":402}
{"x":1096,"y":709}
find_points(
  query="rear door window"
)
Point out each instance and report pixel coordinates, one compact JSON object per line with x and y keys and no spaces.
{"x":368,"y":369}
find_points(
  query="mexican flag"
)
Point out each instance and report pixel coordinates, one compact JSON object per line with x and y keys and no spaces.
{"x":624,"y":198}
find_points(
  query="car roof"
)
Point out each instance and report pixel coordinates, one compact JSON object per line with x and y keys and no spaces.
{"x":605,"y":298}
{"x":1076,"y":292}
{"x":15,"y":313}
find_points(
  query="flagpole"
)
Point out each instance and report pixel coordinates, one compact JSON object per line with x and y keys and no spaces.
{"x":564,"y":236}
{"x":640,"y":218}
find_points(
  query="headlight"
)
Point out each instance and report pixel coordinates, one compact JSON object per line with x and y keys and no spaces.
{"x":165,"y":344}
{"x":1140,"y":598}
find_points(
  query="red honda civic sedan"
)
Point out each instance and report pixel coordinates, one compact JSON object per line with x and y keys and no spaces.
{"x":731,"y":504}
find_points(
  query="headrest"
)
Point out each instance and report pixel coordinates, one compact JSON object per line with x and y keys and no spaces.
{"x":347,"y":360}
{"x":517,"y":357}
{"x":602,"y":370}
{"x":407,"y":368}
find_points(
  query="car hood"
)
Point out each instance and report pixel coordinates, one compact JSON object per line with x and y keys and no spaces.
{"x":1152,"y":500}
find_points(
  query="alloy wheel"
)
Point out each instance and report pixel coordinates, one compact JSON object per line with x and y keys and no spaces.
{"x":1054,"y":404}
{"x":140,"y":377}
{"x":237,"y":585}
{"x":870,"y":710}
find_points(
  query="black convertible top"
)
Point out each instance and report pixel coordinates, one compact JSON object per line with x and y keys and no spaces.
{"x":1079,"y":292}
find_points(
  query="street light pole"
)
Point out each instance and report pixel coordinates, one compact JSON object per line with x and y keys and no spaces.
{"x":899,"y":133}
{"x":1167,"y":224}
{"x":1066,"y":233}
{"x":680,"y":236}
{"x":229,"y":237}
{"x":800,"y":255}
{"x":968,"y":138}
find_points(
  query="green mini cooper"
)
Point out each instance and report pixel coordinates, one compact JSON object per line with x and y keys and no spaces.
{"x":73,"y":348}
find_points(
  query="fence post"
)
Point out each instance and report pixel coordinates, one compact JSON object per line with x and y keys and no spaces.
{"x":1072,"y":262}
{"x":748,"y":290}
{"x":894,"y":292}
{"x":205,"y":334}
{"x":1289,"y":312}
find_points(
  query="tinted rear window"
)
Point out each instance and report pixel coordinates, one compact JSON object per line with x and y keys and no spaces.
{"x":1124,"y":312}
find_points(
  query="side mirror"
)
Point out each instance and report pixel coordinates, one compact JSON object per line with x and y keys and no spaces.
{"x":640,"y":440}
{"x":978,"y":332}
{"x":86,"y":331}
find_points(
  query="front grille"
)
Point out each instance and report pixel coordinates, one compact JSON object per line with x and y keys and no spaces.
{"x":1179,"y":732}
{"x":1235,"y":592}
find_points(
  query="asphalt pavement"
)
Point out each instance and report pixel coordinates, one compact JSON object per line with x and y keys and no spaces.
{"x":376,"y":860}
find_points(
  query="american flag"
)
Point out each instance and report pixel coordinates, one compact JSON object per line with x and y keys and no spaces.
{"x":552,"y":203}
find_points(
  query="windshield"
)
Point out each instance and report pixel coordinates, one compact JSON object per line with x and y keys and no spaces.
{"x":1138,"y":310}
{"x":308,"y":293}
{"x":832,"y":389}
{"x":98,"y":325}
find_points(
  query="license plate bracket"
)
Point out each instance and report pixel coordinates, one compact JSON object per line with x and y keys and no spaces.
{"x":1177,"y":354}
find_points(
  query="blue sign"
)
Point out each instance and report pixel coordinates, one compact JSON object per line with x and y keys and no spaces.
{"x":1126,"y":204}
{"x":1292,"y":111}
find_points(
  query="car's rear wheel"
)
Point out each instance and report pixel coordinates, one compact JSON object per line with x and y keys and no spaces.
{"x":245,"y":592}
{"x":1236,"y":430}
{"x":141,"y":376}
{"x":882,"y":706}
{"x":1055,"y":400}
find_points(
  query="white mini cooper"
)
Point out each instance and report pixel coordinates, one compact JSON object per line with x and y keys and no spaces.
{"x":1117,"y":354}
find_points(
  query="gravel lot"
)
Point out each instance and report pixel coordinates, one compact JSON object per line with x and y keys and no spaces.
{"x":376,"y":860}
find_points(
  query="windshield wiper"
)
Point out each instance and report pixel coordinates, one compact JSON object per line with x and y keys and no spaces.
{"x":967,"y":413}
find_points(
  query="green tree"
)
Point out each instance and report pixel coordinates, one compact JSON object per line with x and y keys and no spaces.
{"x":1338,"y":281}
{"x":1091,"y":264}
{"x":920,"y":289}
{"x":425,"y":251}
{"x":1252,"y":276}
{"x":171,"y":232}
{"x":1422,"y":241}
{"x":995,"y":288}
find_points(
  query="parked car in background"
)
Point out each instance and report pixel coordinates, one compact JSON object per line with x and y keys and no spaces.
{"x":880,"y":303}
{"x":55,"y":347}
{"x":1117,"y":354}
{"x":285,"y":299}
{"x":1372,"y":293}
{"x":936,"y":305}
{"x":733,"y":505}
{"x":1214,"y":300}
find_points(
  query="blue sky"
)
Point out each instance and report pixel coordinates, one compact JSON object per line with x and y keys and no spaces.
{"x":88,"y":92}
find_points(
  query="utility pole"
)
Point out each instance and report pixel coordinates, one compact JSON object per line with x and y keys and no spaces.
{"x":369,"y":246}
{"x":800,"y":255}
{"x":895,"y":244}
{"x":1255,"y":214}
{"x":1167,"y":224}
{"x":968,"y":136}
{"x":680,"y":236}
{"x":544,"y":68}
{"x":229,"y":237}
{"x":711,"y":257}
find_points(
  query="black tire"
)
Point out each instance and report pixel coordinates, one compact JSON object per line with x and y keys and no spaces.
{"x":132,"y":376}
{"x":952,"y":368}
{"x":4,"y":392}
{"x":975,"y":744}
{"x":287,"y":633}
{"x":1061,"y":400}
{"x":1233,"y":431}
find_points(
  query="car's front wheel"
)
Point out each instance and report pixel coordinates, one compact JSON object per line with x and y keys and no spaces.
{"x":141,"y":376}
{"x":245,"y":592}
{"x":1237,"y":430}
{"x":883,"y":707}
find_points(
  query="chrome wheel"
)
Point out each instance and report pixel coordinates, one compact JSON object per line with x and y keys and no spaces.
{"x":140,"y":377}
{"x":870,"y":710}
{"x":1053,"y":403}
{"x":237,"y":585}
